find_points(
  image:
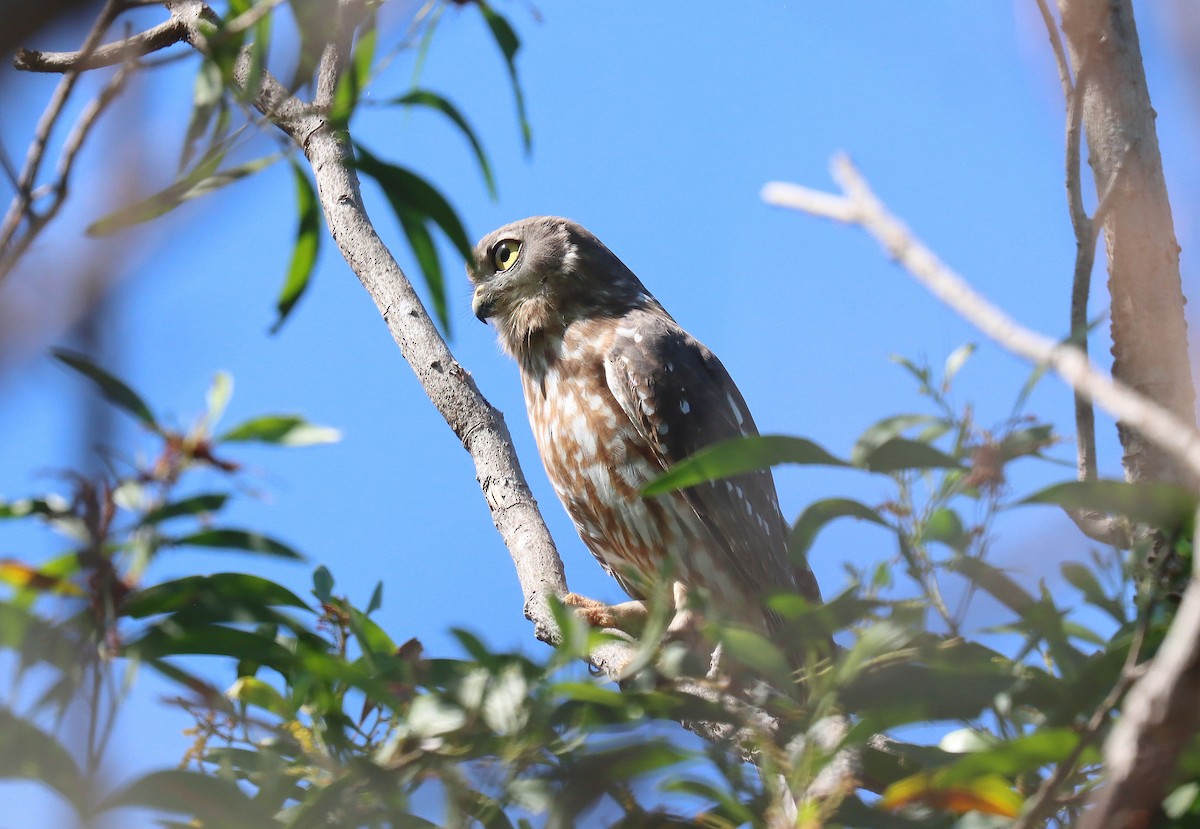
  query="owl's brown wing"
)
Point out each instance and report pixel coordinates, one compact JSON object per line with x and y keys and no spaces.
{"x":681,"y":399}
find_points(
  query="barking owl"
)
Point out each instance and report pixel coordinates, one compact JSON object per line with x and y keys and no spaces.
{"x":617,"y":392}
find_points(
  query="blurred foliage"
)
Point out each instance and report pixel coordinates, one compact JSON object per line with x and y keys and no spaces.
{"x":307,"y":713}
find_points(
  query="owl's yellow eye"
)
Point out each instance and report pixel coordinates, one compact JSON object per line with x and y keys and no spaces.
{"x":505,"y":254}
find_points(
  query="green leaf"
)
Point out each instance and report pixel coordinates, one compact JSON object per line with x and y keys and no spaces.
{"x":508,"y":42}
{"x":323,"y":584}
{"x":226,"y":592}
{"x":885,"y":430}
{"x":231,"y":539}
{"x":32,"y":754}
{"x":170,"y":639}
{"x":955,"y":362}
{"x":213,"y":801}
{"x":755,"y":652}
{"x":415,"y":203}
{"x":195,"y":505}
{"x":423,"y":97}
{"x":411,"y":189}
{"x":819,"y":513}
{"x":284,"y":430}
{"x":357,"y":75}
{"x":201,"y":181}
{"x":1017,"y":756}
{"x":1163,"y":506}
{"x":218,"y":398}
{"x":1024,"y":442}
{"x":112,"y":389}
{"x":1085,"y":581}
{"x":304,"y":254}
{"x":48,"y":507}
{"x":738,"y":455}
{"x":900,"y":453}
{"x":207,"y":92}
{"x":376,"y":601}
{"x":253,"y":691}
{"x":946,"y":527}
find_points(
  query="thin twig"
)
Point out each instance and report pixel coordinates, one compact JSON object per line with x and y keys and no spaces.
{"x":858,"y":205}
{"x":22,"y":204}
{"x":1060,"y":53}
{"x":1042,"y":804}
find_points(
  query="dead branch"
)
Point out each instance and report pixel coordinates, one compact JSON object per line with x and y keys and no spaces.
{"x":858,"y":205}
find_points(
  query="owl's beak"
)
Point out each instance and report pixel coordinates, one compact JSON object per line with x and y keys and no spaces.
{"x":482,"y":305}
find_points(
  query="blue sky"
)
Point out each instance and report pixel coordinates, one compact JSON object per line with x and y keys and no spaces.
{"x":655,"y":125}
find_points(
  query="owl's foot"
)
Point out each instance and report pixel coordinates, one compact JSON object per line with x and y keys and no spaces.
{"x":629,"y":617}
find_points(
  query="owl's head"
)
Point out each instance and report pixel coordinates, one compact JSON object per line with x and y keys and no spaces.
{"x":539,"y":275}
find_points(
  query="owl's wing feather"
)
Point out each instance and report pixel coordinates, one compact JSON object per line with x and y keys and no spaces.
{"x":681,"y":399}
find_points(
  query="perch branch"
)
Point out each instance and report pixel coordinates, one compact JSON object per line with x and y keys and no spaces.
{"x":858,"y":205}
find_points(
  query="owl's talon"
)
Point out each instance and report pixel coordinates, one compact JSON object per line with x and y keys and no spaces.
{"x":629,"y":617}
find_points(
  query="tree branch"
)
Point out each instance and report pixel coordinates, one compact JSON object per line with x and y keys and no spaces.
{"x":1160,"y":714}
{"x":858,"y":205}
{"x":159,"y":37}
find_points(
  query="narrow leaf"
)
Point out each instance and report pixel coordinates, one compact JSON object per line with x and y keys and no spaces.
{"x":228,"y":590}
{"x":423,"y":97}
{"x":819,"y":513}
{"x":304,"y":254}
{"x":508,"y":42}
{"x":900,"y":453}
{"x":113,"y":390}
{"x":1162,"y":506}
{"x":229,"y":539}
{"x":32,"y":754}
{"x":285,"y":430}
{"x":195,"y":505}
{"x":211,"y":800}
{"x":738,"y":455}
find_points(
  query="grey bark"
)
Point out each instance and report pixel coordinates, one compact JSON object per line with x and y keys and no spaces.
{"x":1148,"y":328}
{"x":1149,"y":350}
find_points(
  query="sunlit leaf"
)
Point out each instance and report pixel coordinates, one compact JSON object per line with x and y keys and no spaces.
{"x":376,"y":601}
{"x":955,"y":362}
{"x":990,"y":794}
{"x":284,"y":430}
{"x":112,"y":389}
{"x":217,"y":398}
{"x":231,"y":539}
{"x":304,"y":253}
{"x":24,"y":576}
{"x":738,"y":455}
{"x":252,"y":691}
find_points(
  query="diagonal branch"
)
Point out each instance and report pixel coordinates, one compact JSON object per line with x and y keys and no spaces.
{"x":1160,"y":714}
{"x":858,"y":205}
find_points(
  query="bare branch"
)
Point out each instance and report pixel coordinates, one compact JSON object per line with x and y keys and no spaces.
{"x":1060,"y":54}
{"x":159,"y":37}
{"x":1159,"y":719}
{"x":21,"y":208}
{"x":858,"y":205}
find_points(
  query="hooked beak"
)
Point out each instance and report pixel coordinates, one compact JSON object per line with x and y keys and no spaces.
{"x":482,"y":305}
